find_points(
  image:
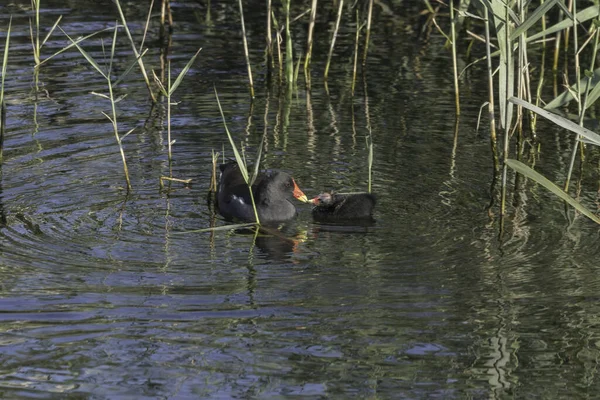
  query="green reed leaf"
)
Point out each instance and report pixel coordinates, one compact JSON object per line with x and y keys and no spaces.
{"x":75,"y":43}
{"x":51,"y":30}
{"x":545,"y":182}
{"x":238,"y":158}
{"x":5,"y":61}
{"x":89,"y":58}
{"x":183,"y":72}
{"x":533,"y":18}
{"x":560,"y":121}
{"x":582,"y":16}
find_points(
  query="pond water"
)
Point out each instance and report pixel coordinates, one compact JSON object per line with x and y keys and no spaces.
{"x":106,"y":294}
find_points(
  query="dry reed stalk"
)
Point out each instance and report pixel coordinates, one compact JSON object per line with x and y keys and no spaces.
{"x":289,"y":50}
{"x":368,"y":34}
{"x":213,"y":176}
{"x":279,"y":56}
{"x":454,"y":66}
{"x":311,"y":27}
{"x":166,"y":15}
{"x":369,"y":137}
{"x":170,"y":179}
{"x":269,"y":33}
{"x":354,"y":68}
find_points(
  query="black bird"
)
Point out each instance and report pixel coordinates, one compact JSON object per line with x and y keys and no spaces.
{"x":334,"y":206}
{"x":273,"y":193}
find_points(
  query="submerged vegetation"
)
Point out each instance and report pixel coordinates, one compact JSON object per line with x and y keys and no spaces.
{"x":511,"y":39}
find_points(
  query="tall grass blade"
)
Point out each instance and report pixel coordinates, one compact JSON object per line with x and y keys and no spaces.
{"x":565,"y":97}
{"x":112,"y":52}
{"x":499,"y":10}
{"x":539,"y":178}
{"x":240,"y":160}
{"x":89,"y":58}
{"x":582,"y":16}
{"x":246,"y":53}
{"x":560,"y":121}
{"x":5,"y":61}
{"x":289,"y":56}
{"x":147,"y":25}
{"x":183,"y":72}
{"x":533,"y":18}
{"x":238,"y":157}
{"x":333,"y":37}
{"x":73,"y":44}
{"x":35,"y":6}
{"x":368,"y":32}
{"x":370,"y":159}
{"x":257,"y":160}
{"x":216,"y":228}
{"x":51,"y":30}
{"x":36,"y":56}
{"x":269,"y":33}
{"x":453,"y":22}
{"x":2,"y":105}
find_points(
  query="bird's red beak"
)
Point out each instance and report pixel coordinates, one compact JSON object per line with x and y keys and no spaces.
{"x":315,"y":200}
{"x":299,"y":194}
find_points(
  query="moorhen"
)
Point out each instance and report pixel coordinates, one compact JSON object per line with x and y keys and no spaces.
{"x":337,"y":206}
{"x":273,"y":192}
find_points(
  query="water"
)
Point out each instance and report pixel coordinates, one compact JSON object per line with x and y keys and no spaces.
{"x":105,"y":295}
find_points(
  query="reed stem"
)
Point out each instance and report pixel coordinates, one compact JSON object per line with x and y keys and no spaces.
{"x":335,"y":31}
{"x":170,"y":143}
{"x":114,"y":110}
{"x":368,"y":33}
{"x":507,"y":114}
{"x":454,"y":62}
{"x":269,"y":34}
{"x":166,"y":15}
{"x":289,"y":50}
{"x":580,"y":109}
{"x":2,"y":102}
{"x":354,"y":68}
{"x":311,"y":27}
{"x":35,"y":6}
{"x":491,"y":115}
